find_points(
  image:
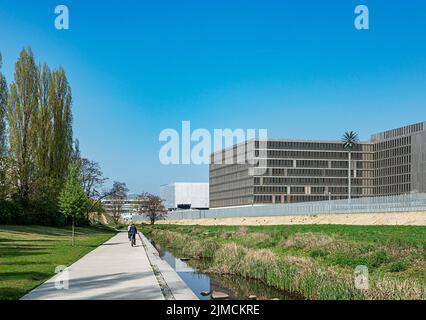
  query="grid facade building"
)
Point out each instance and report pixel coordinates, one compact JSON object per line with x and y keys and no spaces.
{"x":400,"y":161}
{"x":288,"y":171}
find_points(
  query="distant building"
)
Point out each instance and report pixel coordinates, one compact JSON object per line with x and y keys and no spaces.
{"x":185,"y":195}
{"x":391,"y":163}
{"x":129,"y":205}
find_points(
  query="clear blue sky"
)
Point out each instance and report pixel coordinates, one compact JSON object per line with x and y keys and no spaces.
{"x":297,"y":68}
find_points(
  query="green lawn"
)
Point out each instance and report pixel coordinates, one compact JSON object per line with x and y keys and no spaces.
{"x":30,"y":254}
{"x":395,"y":256}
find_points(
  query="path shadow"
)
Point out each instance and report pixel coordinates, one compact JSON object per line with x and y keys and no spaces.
{"x":91,"y":288}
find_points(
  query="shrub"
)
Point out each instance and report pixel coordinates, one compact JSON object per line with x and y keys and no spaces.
{"x":39,"y":213}
{"x":10,"y":212}
{"x":316,"y":253}
{"x":398,"y":266}
{"x":379,"y":257}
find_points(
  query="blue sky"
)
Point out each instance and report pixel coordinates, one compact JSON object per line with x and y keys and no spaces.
{"x":297,"y":68}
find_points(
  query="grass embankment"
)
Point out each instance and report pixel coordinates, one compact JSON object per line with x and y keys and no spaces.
{"x":30,"y":254}
{"x":316,"y":261}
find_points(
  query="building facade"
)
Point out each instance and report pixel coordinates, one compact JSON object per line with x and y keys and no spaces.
{"x":126,"y":206}
{"x":288,"y":171}
{"x":185,"y":195}
{"x":400,"y":160}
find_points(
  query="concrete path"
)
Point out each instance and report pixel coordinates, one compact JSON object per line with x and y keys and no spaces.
{"x":113,"y":271}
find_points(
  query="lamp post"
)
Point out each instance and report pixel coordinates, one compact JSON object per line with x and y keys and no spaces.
{"x":329,"y":200}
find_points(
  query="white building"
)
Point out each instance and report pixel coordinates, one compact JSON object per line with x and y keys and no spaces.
{"x":127,"y":206}
{"x":185,"y":195}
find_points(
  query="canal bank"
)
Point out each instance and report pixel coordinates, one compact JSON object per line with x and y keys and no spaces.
{"x":171,"y":284}
{"x":209,"y":286}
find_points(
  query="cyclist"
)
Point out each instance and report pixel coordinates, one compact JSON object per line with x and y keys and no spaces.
{"x":132,"y":234}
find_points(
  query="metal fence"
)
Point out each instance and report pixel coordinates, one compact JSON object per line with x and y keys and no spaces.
{"x":399,"y":203}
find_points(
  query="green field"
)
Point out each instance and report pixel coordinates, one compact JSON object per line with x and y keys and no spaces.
{"x":30,"y":254}
{"x":316,"y":261}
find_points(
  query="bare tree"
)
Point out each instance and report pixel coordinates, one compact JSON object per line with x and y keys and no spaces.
{"x":151,"y":206}
{"x":92,"y":178}
{"x":117,"y":196}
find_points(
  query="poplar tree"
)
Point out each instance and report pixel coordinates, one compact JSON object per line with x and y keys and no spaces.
{"x":39,"y":134}
{"x":23,"y":107}
{"x":45,"y":184}
{"x":61,"y":140}
{"x":3,"y":150}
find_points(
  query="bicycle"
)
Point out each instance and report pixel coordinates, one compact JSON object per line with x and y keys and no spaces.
{"x":133,"y":240}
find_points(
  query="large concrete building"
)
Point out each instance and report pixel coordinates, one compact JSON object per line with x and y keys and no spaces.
{"x":286,"y":171}
{"x":185,"y":195}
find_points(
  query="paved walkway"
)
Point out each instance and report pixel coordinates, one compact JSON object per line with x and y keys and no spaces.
{"x":114,"y":270}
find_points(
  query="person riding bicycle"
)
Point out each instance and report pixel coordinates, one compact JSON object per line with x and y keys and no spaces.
{"x":132,"y":234}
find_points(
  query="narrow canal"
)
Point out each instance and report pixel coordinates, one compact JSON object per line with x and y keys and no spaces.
{"x":203,"y":284}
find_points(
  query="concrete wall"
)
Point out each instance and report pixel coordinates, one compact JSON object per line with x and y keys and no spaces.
{"x":399,"y":203}
{"x":167,"y":193}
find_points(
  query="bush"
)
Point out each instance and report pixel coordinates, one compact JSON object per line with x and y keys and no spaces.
{"x":38,"y":213}
{"x":379,"y":258}
{"x":398,"y":266}
{"x":10,"y":212}
{"x":317,"y":253}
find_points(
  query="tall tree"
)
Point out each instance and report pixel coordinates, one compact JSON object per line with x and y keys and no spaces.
{"x":45,"y":184}
{"x":3,"y":107}
{"x":45,"y":120}
{"x":349,"y":140}
{"x":54,"y":133}
{"x":61,"y":141}
{"x":22,"y":116}
{"x":73,"y":202}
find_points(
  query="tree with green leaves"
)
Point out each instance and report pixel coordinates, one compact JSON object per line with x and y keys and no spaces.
{"x":45,"y":185}
{"x":349,"y":140}
{"x":54,"y":133}
{"x":3,"y":146}
{"x":73,"y":201}
{"x":61,"y":140}
{"x":22,"y":114}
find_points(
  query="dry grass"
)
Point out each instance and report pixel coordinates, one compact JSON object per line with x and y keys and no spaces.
{"x":189,"y":246}
{"x":396,"y":290}
{"x":242,"y":231}
{"x":308,"y":240}
{"x":299,"y":262}
{"x":294,"y":274}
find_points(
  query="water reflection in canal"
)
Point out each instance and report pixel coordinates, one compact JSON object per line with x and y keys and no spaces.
{"x":236,"y":287}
